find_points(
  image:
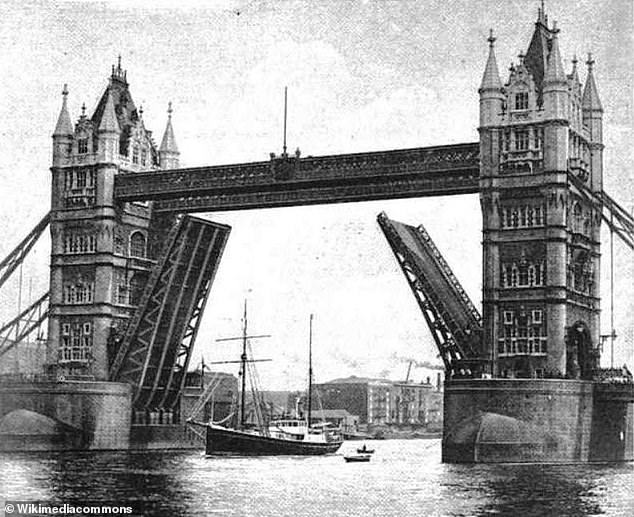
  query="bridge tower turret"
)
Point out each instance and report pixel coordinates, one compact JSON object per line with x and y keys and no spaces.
{"x":168,"y":151}
{"x":99,"y":254}
{"x":540,"y":238}
{"x":592,"y":115}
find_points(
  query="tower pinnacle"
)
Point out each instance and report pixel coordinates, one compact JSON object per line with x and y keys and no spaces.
{"x":168,"y":143}
{"x":168,"y":151}
{"x":590,"y":99}
{"x":491,"y":76}
{"x":118,"y":73}
{"x":554,"y":67}
{"x":64,"y":127}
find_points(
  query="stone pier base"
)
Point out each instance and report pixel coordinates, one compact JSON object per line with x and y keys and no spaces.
{"x":66,"y":415}
{"x":535,"y":420}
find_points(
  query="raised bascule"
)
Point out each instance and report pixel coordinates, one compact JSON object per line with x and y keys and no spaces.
{"x":131,"y":273}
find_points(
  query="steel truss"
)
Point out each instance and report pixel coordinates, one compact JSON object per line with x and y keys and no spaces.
{"x":20,"y":327}
{"x":455,"y":323}
{"x":157,"y":346}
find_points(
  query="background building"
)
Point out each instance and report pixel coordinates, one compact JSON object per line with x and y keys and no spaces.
{"x":381,"y":401}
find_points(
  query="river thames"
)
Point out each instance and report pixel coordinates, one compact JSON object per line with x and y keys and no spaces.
{"x":405,"y":477}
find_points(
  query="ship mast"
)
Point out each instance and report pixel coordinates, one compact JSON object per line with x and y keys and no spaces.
{"x":243,"y":362}
{"x":243,"y":365}
{"x":310,"y":368}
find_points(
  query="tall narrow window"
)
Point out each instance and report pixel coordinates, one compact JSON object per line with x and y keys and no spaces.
{"x":521,"y":140}
{"x":137,"y":245}
{"x":80,"y":179}
{"x":82,"y":145}
{"x":521,"y":101}
{"x":539,"y":137}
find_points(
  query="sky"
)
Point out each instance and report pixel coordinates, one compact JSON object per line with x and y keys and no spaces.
{"x":362,"y":75}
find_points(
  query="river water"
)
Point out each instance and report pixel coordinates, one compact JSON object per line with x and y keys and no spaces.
{"x":405,"y":477}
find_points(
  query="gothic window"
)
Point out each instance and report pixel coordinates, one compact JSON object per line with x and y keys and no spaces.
{"x":79,"y":241}
{"x":82,"y":145}
{"x":143,"y":156}
{"x":521,"y":101}
{"x":137,"y":245}
{"x":76,"y":342}
{"x":507,"y":140}
{"x":515,"y":219}
{"x":523,"y":333}
{"x":521,"y":140}
{"x":577,"y":223}
{"x":522,"y":216}
{"x":136,"y":289}
{"x":538,"y":137}
{"x":583,"y":273}
{"x":78,"y":293}
{"x":523,"y":274}
{"x":135,"y":154}
{"x":122,"y":292}
{"x":80,"y":179}
{"x":539,"y":216}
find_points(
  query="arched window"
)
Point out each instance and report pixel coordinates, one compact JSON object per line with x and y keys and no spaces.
{"x":137,"y":245}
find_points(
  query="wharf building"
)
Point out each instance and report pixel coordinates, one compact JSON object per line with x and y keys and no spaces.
{"x":384,"y":402}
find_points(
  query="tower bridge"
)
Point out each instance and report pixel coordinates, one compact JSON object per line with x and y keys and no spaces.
{"x":131,"y":274}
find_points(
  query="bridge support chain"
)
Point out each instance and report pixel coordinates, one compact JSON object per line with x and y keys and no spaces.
{"x":15,"y":258}
{"x":17,"y":330}
{"x":157,"y":346}
{"x":615,"y":216}
{"x":455,"y":323}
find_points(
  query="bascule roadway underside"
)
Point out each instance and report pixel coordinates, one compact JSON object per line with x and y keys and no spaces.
{"x":291,"y":180}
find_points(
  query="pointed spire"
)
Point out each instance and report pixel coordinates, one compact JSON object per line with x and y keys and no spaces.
{"x":64,"y":127}
{"x":491,"y":76}
{"x":590,"y":100}
{"x":118,"y":73}
{"x":168,"y":144}
{"x":541,"y":15}
{"x":554,"y":67}
{"x":109,"y":120}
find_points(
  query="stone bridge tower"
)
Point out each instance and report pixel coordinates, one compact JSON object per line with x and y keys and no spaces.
{"x":101,"y":251}
{"x":541,"y":240}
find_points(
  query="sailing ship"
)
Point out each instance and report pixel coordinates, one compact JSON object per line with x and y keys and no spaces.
{"x":284,"y":436}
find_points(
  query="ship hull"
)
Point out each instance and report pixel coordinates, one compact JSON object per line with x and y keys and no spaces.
{"x":537,"y":421}
{"x":230,"y":441}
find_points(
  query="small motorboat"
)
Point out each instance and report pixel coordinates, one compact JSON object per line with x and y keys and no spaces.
{"x":354,"y":458}
{"x":365,"y":450}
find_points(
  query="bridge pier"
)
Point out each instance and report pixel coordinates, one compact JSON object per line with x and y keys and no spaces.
{"x":44,"y":414}
{"x":536,"y":421}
